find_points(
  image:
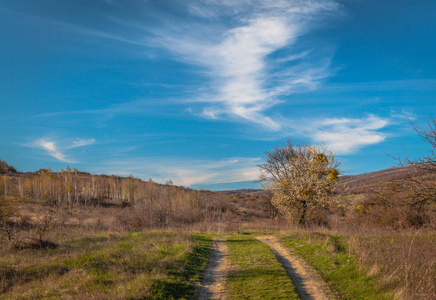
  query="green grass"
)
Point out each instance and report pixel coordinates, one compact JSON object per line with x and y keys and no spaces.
{"x":330,"y":257}
{"x":255,"y":272}
{"x":137,"y":265}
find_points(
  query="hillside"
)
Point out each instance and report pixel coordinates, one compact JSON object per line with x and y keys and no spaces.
{"x":154,"y":204}
{"x":366,"y":182}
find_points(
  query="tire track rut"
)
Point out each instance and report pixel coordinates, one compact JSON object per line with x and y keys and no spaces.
{"x":216,"y":273}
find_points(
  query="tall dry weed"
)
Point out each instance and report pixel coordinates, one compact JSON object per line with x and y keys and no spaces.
{"x":405,"y":263}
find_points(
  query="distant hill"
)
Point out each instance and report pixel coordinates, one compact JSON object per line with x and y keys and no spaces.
{"x":362,"y":183}
{"x":229,"y":186}
{"x":244,"y":191}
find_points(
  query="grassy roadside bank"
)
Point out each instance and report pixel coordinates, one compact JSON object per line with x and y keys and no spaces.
{"x":370,"y":267}
{"x":135,"y":265}
{"x":329,"y":256}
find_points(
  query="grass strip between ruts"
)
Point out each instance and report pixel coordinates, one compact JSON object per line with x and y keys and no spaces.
{"x":255,"y":272}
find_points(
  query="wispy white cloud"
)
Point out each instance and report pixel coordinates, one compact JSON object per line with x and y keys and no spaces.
{"x":403,"y":114}
{"x":185,"y":171}
{"x":346,"y":135}
{"x":242,"y":60}
{"x":341,"y":135}
{"x":52,"y":149}
{"x":57,"y":149}
{"x":409,"y":85}
{"x":81,"y":142}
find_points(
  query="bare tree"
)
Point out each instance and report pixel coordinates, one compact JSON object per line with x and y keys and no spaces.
{"x":41,"y":228}
{"x":422,"y":188}
{"x":429,"y":136}
{"x":8,"y":213}
{"x":301,"y":178}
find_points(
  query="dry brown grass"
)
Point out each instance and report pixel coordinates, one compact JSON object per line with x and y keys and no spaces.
{"x":402,"y":263}
{"x":405,"y":262}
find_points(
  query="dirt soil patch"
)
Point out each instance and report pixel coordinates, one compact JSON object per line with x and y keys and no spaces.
{"x":216,"y":273}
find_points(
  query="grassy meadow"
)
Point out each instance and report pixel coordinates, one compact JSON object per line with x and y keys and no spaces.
{"x":131,"y":265}
{"x":91,"y":262}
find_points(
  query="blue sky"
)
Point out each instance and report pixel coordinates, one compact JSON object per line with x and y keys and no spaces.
{"x":195,"y":91}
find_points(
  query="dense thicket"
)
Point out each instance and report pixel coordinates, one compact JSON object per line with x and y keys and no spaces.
{"x":5,"y":168}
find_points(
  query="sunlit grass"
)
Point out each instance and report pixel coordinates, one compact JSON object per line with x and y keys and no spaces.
{"x":137,"y":265}
{"x":255,"y":272}
{"x":330,"y":256}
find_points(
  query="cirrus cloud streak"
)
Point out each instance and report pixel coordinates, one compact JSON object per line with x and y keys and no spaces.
{"x":57,"y":149}
{"x":248,"y":73}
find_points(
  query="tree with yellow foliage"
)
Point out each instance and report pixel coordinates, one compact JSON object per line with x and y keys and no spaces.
{"x":301,"y":179}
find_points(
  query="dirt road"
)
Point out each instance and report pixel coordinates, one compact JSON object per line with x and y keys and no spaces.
{"x":307,"y":283}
